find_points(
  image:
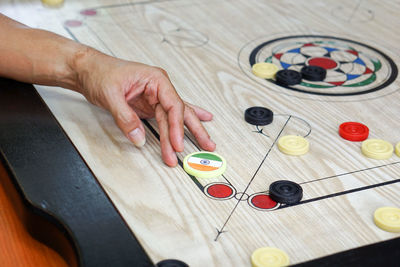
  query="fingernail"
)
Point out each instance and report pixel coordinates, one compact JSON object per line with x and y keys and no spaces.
{"x":213,"y":145}
{"x":137,"y":137}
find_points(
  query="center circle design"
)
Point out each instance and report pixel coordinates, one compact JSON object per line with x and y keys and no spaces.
{"x":352,"y":68}
{"x":326,"y":63}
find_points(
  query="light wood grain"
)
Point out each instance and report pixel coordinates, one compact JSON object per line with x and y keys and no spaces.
{"x":202,"y":44}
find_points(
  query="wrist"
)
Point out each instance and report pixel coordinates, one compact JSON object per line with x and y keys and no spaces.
{"x":80,"y":64}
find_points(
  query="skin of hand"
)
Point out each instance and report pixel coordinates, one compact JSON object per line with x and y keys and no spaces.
{"x":129,"y":90}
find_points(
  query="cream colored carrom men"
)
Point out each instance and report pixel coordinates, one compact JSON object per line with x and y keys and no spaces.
{"x":206,"y":46}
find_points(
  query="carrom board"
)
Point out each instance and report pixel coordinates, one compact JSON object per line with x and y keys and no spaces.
{"x":208,"y":48}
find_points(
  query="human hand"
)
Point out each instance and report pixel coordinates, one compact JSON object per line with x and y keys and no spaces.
{"x":131,"y":91}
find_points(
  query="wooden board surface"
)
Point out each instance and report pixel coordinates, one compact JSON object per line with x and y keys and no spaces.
{"x":205,"y":46}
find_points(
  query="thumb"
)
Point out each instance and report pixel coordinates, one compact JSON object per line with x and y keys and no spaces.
{"x":129,"y":123}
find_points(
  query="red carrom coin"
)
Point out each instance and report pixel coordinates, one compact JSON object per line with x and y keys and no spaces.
{"x":353,"y":131}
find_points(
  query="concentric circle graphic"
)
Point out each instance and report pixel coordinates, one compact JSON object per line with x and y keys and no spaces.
{"x":261,"y":201}
{"x":219,"y":191}
{"x":352,"y":68}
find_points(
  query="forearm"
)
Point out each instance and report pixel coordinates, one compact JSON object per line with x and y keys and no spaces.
{"x":38,"y":56}
{"x":129,"y":90}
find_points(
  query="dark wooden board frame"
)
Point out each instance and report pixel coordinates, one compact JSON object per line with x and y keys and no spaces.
{"x":60,"y":192}
{"x":56,"y":185}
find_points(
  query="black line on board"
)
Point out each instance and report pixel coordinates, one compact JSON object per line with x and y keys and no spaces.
{"x":284,"y":206}
{"x":70,"y":33}
{"x":180,"y":162}
{"x":194,"y":143}
{"x":154,"y":132}
{"x":251,"y":180}
{"x":260,"y":131}
{"x":301,"y":119}
{"x":201,"y":187}
{"x":352,"y":172}
{"x":145,"y":122}
{"x":341,"y":193}
{"x":194,"y":179}
{"x":148,"y":125}
{"x":198,"y":148}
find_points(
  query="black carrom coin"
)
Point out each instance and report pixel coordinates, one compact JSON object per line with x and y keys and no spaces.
{"x":288,"y":77}
{"x":258,"y":116}
{"x":313,"y":73}
{"x":285,"y":192}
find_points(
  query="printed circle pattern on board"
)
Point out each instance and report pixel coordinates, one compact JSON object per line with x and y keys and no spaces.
{"x":219,"y":191}
{"x":262,"y":201}
{"x":352,"y":67}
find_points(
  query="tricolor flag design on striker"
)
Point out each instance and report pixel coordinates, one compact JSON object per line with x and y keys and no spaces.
{"x":205,"y":162}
